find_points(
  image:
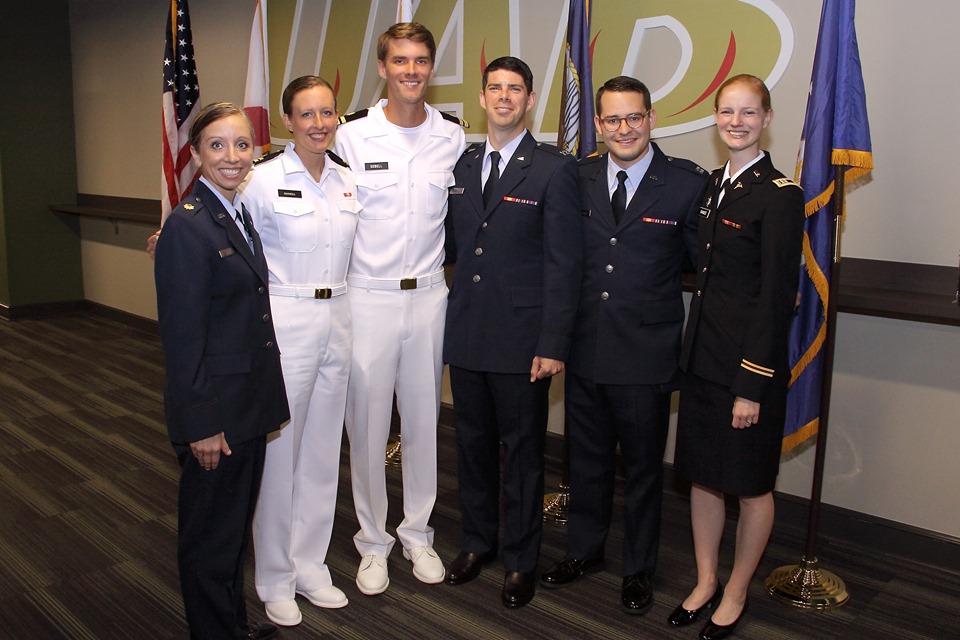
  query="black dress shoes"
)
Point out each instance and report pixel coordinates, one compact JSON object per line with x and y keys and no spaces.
{"x":713,"y":631}
{"x":466,"y":566}
{"x":518,"y":589}
{"x":637,"y":593}
{"x":682,"y":617}
{"x":568,"y":571}
{"x":261,"y":631}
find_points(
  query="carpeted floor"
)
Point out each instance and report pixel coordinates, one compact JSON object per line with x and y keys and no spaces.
{"x":88,"y":529}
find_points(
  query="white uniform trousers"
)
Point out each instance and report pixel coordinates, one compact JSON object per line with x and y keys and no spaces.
{"x":398,"y":345}
{"x":298,"y":495}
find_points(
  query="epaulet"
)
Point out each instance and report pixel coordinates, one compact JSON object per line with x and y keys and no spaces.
{"x":356,"y":115}
{"x":689,"y":165}
{"x":269,"y":156}
{"x":591,"y":159}
{"x":786,"y":182}
{"x":193,"y":204}
{"x":557,"y":151}
{"x":340,"y":161}
{"x":472,"y":147}
{"x":454,"y":119}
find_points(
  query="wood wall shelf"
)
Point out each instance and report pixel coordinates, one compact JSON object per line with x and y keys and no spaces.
{"x":881,"y":288}
{"x":113,"y":208}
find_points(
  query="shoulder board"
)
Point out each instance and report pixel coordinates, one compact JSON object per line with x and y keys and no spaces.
{"x":269,"y":156}
{"x":785,"y":182}
{"x":192,"y":204}
{"x":472,"y":147}
{"x":454,"y":119}
{"x":340,"y":161}
{"x":591,"y":159}
{"x":557,"y":151}
{"x":689,"y":165}
{"x":356,"y":115}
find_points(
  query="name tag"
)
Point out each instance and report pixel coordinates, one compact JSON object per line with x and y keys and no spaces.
{"x":456,"y":191}
{"x":289,"y":193}
{"x":226,"y":253}
{"x":376,"y":166}
{"x":704,"y":212}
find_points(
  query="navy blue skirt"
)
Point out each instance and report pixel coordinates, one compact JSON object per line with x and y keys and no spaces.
{"x":711,"y":453}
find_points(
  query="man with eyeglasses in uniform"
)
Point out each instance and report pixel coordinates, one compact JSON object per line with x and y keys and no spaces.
{"x":640,"y":215}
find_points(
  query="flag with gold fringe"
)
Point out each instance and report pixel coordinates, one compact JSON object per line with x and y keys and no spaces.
{"x":835,"y":133}
{"x":577,"y":135}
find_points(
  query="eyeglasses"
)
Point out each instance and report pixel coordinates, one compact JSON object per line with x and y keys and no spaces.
{"x":634,"y":121}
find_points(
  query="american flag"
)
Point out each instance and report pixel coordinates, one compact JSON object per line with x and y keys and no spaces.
{"x":181,"y":102}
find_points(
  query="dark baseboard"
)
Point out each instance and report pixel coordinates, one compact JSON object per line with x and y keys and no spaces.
{"x":52,"y":309}
{"x":42,"y":309}
{"x":878,"y":534}
{"x":123,"y":317}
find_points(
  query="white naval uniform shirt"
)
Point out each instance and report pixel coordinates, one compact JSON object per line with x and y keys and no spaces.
{"x":403,"y":190}
{"x":307,"y":227}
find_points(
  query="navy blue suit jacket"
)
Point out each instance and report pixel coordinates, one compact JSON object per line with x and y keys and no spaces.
{"x":222,"y":360}
{"x":631,"y":312}
{"x":518,"y":260}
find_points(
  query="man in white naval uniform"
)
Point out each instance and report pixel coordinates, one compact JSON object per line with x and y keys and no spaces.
{"x":402,"y":152}
{"x":303,"y":201}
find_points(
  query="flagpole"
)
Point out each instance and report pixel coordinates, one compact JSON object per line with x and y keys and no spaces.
{"x":807,"y":585}
{"x":556,"y":506}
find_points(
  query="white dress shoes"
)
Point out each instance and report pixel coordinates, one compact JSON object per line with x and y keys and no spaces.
{"x":427,"y":566}
{"x":372,"y":576}
{"x":285,"y":614}
{"x":325,"y":597}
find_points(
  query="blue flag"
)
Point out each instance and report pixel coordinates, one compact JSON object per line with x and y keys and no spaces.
{"x":835,"y":132}
{"x":577,"y":134}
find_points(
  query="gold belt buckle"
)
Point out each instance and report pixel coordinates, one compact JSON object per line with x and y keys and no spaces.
{"x":408,"y":283}
{"x":322,"y":294}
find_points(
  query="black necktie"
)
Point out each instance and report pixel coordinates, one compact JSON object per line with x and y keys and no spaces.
{"x":493,"y":177}
{"x":723,"y":188}
{"x":247,"y":223}
{"x":619,"y":199}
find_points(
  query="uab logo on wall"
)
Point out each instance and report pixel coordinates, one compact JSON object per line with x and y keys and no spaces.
{"x":681,"y":49}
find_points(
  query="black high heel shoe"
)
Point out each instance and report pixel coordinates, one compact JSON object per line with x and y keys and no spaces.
{"x":682,"y":617}
{"x":714,"y":631}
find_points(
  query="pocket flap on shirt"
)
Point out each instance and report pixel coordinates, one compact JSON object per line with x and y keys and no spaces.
{"x":350,"y":205}
{"x":441,"y":179}
{"x":291,"y":207}
{"x":377,"y":180}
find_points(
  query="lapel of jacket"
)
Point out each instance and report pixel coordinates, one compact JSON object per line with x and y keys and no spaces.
{"x":599,"y":192}
{"x":473,"y":186}
{"x":514,"y":174}
{"x":224,"y":218}
{"x":741,"y":186}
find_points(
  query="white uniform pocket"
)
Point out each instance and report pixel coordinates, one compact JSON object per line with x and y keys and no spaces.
{"x":297,"y":224}
{"x":380,"y":192}
{"x":347,"y":217}
{"x":440,"y":183}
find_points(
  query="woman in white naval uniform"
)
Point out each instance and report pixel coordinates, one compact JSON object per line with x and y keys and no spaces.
{"x":303,"y":201}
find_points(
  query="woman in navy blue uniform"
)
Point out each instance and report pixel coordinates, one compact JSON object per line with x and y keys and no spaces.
{"x":224,"y":392}
{"x":734,"y":357}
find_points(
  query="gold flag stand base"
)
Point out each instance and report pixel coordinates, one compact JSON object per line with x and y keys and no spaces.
{"x":394,"y":454}
{"x":807,"y":586}
{"x":556,"y":506}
